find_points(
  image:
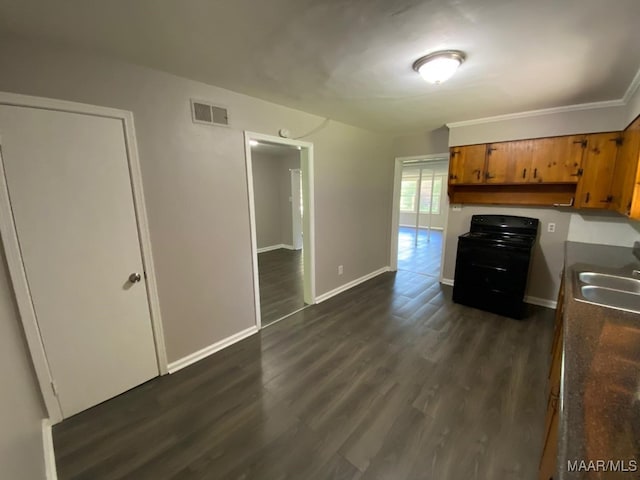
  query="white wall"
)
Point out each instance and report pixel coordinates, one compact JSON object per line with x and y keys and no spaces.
{"x":423,"y":143}
{"x":272,"y":190}
{"x":604,"y":228}
{"x":21,"y":407}
{"x":633,"y":106}
{"x":408,"y":219}
{"x":546,"y":125}
{"x":196,"y":188}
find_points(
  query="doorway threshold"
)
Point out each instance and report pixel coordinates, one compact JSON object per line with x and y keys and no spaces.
{"x":286,"y":316}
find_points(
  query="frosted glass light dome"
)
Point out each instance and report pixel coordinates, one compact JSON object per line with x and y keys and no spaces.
{"x":438,"y":67}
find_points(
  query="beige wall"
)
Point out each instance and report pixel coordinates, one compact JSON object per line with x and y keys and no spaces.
{"x":21,"y":408}
{"x":196,"y":188}
{"x":272,"y":190}
{"x":548,"y":254}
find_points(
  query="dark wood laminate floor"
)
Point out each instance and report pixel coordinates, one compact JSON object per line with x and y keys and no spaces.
{"x":389,"y":380}
{"x":280,"y":273}
{"x":425,"y":257}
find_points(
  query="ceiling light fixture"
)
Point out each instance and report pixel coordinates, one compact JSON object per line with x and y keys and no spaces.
{"x":438,"y":67}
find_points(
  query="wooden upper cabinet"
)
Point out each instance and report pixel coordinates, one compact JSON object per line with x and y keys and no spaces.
{"x":624,"y":177}
{"x":598,"y":166}
{"x":558,"y":159}
{"x":509,"y":162}
{"x":467,"y":164}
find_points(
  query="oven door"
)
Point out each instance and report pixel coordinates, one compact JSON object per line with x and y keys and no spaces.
{"x":491,"y":276}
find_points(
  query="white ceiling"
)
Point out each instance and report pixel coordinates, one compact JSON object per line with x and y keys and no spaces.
{"x":351,"y":59}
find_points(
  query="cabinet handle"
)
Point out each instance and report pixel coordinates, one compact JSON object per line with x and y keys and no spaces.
{"x":609,"y":199}
{"x":477,"y":172}
{"x":582,"y":142}
{"x":490,"y":149}
{"x":524,"y":173}
{"x":535,"y":173}
{"x":453,"y":177}
{"x":578,"y":173}
{"x":570,"y":204}
{"x":587,"y":197}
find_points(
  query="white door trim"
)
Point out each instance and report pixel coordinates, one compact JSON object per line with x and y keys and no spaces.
{"x":395,"y":213}
{"x":308,"y":222}
{"x":296,"y":218}
{"x":14,"y":256}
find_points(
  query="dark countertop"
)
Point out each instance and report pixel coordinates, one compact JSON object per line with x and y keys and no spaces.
{"x":600,"y":392}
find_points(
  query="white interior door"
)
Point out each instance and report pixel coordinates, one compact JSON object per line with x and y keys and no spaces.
{"x":296,"y":208}
{"x":71,"y":196}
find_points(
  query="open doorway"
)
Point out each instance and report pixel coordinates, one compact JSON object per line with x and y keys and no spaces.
{"x":420,"y":214}
{"x":279,"y":175}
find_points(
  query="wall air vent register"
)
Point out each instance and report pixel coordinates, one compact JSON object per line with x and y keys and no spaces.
{"x":209,"y":114}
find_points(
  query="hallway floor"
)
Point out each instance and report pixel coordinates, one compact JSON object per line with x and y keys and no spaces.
{"x":281,"y":283}
{"x":387,"y":381}
{"x":422,"y":258}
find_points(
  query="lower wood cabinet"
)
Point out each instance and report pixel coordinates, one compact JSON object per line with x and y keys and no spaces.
{"x":548,"y":463}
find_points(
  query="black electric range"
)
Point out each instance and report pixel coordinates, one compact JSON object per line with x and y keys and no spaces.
{"x":492,"y":263}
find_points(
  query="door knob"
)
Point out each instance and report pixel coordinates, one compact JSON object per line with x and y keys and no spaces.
{"x":135,"y":277}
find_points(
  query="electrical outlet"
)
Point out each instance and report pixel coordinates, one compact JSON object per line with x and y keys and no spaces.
{"x":340,"y":269}
{"x":551,"y":227}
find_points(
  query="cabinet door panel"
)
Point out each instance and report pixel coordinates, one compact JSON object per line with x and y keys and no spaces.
{"x":557,"y":160}
{"x":598,"y":167}
{"x":624,"y":176}
{"x":509,"y":162}
{"x":467,"y":164}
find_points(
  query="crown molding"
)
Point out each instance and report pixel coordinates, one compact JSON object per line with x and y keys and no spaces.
{"x":621,"y":102}
{"x":537,"y":113}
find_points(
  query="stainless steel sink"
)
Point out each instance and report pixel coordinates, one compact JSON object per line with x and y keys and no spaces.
{"x":614,"y":291}
{"x":610,"y":281}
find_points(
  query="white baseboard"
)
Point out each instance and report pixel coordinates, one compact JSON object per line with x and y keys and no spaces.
{"x":49,"y":454}
{"x":542,"y":302}
{"x":275,"y":247}
{"x":351,"y":284}
{"x":211,"y":349}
